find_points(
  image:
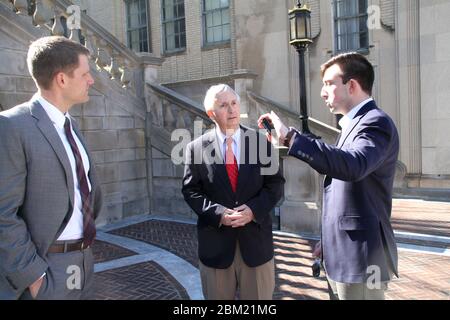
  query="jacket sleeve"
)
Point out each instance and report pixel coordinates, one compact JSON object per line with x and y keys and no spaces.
{"x":192,"y":189}
{"x":19,"y":262}
{"x":272,"y":190}
{"x":350,"y":163}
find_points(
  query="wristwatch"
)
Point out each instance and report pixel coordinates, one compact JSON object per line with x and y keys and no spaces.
{"x":288,"y":137}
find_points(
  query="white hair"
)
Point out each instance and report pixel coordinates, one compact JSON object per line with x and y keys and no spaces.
{"x":212,"y":93}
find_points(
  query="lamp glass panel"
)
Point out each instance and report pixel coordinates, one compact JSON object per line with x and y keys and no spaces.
{"x":293,"y":31}
{"x":308,"y":27}
{"x":301,"y":26}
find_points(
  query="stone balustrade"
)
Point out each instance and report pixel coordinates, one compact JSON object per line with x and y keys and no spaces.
{"x":108,"y":54}
{"x":170,"y":111}
{"x":259,"y":105}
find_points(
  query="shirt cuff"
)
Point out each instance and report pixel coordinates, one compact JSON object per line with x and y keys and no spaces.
{"x":289,"y":139}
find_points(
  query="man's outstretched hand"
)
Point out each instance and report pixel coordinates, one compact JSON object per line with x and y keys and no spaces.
{"x":280,"y":129}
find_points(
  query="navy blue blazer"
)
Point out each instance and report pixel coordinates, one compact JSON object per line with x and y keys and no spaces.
{"x":357,"y":236}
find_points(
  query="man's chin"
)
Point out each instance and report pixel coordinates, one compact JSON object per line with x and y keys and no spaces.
{"x":233,"y":126}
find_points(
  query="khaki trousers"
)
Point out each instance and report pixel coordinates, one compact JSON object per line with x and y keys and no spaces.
{"x":355,"y":291}
{"x":256,"y":283}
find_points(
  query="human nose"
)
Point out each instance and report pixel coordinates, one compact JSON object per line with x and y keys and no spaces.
{"x":90,"y":80}
{"x":323,"y":93}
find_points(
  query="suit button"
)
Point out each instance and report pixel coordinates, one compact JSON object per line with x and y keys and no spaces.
{"x":236,"y":203}
{"x":299,"y":153}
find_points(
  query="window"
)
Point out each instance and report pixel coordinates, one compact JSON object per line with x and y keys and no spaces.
{"x":216,"y":21}
{"x":350,"y":25}
{"x":173,"y":25}
{"x":137,"y":30}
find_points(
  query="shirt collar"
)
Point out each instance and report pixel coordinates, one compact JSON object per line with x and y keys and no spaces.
{"x":346,"y":119}
{"x":236,"y":136}
{"x":56,"y":116}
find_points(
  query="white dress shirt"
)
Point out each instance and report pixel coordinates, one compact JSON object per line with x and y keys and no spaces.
{"x":236,"y":145}
{"x":74,"y":228}
{"x":347,"y":119}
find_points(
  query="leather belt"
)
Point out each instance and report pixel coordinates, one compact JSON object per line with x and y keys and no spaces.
{"x":67,"y":247}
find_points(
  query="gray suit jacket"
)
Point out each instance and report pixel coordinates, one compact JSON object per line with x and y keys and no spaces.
{"x":357,"y":238}
{"x":36,"y":194}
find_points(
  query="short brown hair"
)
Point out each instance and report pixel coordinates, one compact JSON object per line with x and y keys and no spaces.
{"x":354,"y":66}
{"x":49,"y":55}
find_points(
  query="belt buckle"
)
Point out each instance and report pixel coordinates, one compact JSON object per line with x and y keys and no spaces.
{"x":83,"y":247}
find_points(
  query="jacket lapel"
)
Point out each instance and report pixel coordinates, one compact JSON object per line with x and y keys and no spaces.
{"x":344,"y":135}
{"x":366,"y":108}
{"x":212,"y":156}
{"x":244,"y":161}
{"x":48,"y":130}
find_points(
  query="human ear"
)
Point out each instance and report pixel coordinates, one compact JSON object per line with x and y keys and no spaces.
{"x":60,"y":79}
{"x":352,"y":85}
{"x":211,"y":114}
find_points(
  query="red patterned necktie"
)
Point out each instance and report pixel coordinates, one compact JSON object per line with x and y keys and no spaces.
{"x":88,"y":218}
{"x":231,"y":164}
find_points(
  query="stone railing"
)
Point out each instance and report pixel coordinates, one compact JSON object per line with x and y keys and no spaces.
{"x":107,"y":52}
{"x":300,"y":210}
{"x":259,"y":105}
{"x":168,"y":111}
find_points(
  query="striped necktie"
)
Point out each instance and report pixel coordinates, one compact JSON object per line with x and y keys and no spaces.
{"x":88,"y":217}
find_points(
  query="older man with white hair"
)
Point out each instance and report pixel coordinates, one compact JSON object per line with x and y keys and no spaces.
{"x":233,"y":198}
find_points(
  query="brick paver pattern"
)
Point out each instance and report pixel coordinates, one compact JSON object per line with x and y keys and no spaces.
{"x":422,"y":276}
{"x":421,"y":216}
{"x":143,"y":281}
{"x":104,"y":251}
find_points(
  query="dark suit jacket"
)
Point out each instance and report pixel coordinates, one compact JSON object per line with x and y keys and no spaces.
{"x":357,"y":198}
{"x":36,"y":194}
{"x":206,"y":185}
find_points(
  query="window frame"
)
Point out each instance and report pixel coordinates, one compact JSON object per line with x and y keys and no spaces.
{"x":352,"y":16}
{"x":174,"y":20}
{"x":139,"y":28}
{"x":204,"y":13}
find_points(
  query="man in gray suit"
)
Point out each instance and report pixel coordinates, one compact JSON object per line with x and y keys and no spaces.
{"x":49,"y":193}
{"x":358,"y":245}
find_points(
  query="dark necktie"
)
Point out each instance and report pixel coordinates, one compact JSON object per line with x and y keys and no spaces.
{"x":231,"y":164}
{"x":88,"y":218}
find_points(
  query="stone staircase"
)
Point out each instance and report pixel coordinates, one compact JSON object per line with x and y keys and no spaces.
{"x":133,"y":124}
{"x":113,"y":121}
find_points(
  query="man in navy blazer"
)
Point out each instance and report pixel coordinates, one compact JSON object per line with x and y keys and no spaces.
{"x":357,"y":245}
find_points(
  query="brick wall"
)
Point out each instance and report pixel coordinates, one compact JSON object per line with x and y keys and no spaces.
{"x":194,"y":63}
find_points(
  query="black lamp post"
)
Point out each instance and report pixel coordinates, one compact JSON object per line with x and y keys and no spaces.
{"x":300,"y":38}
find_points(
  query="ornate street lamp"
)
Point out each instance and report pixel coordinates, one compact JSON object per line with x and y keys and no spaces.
{"x":300,"y":37}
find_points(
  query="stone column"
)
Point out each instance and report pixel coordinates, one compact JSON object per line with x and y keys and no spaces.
{"x":409,"y":88}
{"x":301,"y":208}
{"x":151,"y":67}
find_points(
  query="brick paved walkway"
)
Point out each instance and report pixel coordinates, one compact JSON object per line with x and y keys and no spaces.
{"x":422,"y":276}
{"x":421,"y":216}
{"x":143,"y":281}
